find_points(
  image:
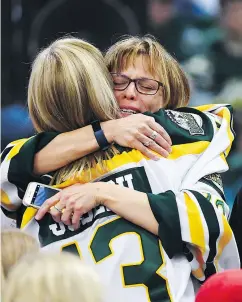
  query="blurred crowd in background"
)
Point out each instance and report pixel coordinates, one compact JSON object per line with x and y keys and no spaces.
{"x":205,"y":36}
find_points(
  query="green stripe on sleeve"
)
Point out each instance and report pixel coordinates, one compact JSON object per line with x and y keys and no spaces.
{"x":213,"y":230}
{"x":164,"y":208}
{"x":21,"y":165}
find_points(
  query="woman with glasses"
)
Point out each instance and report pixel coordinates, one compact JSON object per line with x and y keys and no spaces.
{"x":178,"y":199}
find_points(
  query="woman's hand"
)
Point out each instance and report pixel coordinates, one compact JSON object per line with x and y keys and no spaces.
{"x":70,"y":204}
{"x":136,"y":131}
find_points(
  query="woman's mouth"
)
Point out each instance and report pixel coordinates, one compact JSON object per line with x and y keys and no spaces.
{"x":127,"y":111}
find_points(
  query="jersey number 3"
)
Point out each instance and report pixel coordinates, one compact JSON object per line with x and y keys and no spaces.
{"x":143,"y":273}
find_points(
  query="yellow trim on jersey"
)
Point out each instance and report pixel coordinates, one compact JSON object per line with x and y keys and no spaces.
{"x":222,"y":156}
{"x":133,"y":156}
{"x":130,"y":264}
{"x":77,"y":247}
{"x":27,"y":216}
{"x":186,"y":149}
{"x":195,"y":224}
{"x":199,"y":272}
{"x":18,"y":145}
{"x":137,"y":263}
{"x":94,"y":234}
{"x":207,"y":108}
{"x":5,"y":200}
{"x":224,"y":239}
{"x":225,"y":113}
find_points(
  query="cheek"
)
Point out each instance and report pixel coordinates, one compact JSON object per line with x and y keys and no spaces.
{"x":155,"y":103}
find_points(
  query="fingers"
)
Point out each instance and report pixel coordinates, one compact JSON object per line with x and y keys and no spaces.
{"x":72,"y":214}
{"x":145,"y":144}
{"x":56,"y":211}
{"x":160,"y":145}
{"x":144,"y":150}
{"x":66,"y":217}
{"x":152,"y":130}
{"x":76,"y":219}
{"x":162,"y":132}
{"x":68,"y":210}
{"x":47,"y":205}
{"x":69,"y":206}
{"x":158,"y":148}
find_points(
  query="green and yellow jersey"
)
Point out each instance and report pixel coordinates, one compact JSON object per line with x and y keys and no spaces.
{"x":185,"y":194}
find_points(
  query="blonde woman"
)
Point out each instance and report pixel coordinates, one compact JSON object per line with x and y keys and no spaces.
{"x":178,"y":199}
{"x":52,"y":277}
{"x":14,"y":245}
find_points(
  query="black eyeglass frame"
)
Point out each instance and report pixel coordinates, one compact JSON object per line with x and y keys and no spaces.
{"x":135,"y":83}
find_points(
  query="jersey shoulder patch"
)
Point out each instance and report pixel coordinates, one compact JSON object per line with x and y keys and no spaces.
{"x":216,"y":179}
{"x":189,"y":121}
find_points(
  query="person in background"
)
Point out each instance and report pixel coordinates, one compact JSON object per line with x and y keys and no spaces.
{"x":220,"y":81}
{"x":15,"y":123}
{"x":52,"y":277}
{"x":183,"y":35}
{"x":180,"y":188}
{"x":228,"y":50}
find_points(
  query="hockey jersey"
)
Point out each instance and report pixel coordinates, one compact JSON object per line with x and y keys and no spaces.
{"x":185,"y":194}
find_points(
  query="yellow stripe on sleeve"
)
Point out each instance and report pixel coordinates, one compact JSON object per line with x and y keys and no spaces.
{"x":28,"y":215}
{"x":187,"y":149}
{"x":18,"y":145}
{"x":195,"y":222}
{"x":225,"y":114}
{"x":224,"y":239}
{"x":5,"y":200}
{"x":206,"y":108}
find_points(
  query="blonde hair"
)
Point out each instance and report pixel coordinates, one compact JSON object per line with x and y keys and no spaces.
{"x":52,"y":277}
{"x":14,"y":245}
{"x":2,"y":282}
{"x":69,"y":87}
{"x":124,"y":53}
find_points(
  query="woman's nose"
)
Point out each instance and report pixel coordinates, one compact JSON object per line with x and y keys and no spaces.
{"x":131,"y":92}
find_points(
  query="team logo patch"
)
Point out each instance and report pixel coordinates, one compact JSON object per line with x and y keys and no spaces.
{"x":216,"y":179}
{"x":188,"y":121}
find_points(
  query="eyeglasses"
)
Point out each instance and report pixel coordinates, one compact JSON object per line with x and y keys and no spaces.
{"x":142,"y":85}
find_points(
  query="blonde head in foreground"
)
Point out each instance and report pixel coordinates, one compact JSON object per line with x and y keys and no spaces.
{"x":14,"y":245}
{"x":52,"y":277}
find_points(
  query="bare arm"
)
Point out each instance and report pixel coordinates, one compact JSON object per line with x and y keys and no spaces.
{"x":132,"y":205}
{"x":133,"y":131}
{"x":64,"y":149}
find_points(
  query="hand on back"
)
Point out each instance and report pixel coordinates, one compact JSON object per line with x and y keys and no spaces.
{"x":140,"y":132}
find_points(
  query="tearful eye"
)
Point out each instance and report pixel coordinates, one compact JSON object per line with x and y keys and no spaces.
{"x":147,"y":87}
{"x":148,"y":84}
